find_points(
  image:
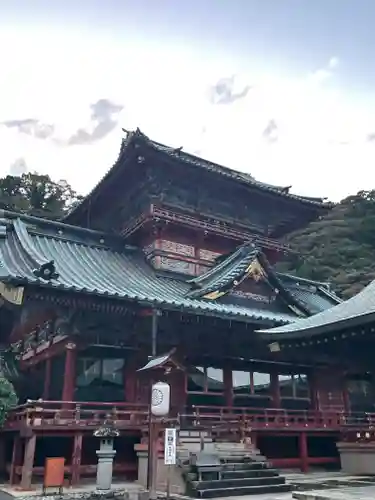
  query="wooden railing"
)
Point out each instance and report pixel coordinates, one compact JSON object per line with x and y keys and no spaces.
{"x":76,"y":413}
{"x":128,"y":415}
{"x":274,"y":418}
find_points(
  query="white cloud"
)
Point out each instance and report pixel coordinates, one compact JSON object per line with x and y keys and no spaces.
{"x":321,"y":146}
{"x":333,"y":62}
{"x":326,"y":72}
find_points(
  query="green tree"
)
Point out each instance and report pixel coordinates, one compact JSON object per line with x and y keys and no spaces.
{"x":339,"y":248}
{"x":8,"y":397}
{"x":38,"y":195}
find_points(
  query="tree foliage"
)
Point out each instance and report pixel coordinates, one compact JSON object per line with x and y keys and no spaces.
{"x":8,"y":397}
{"x":36,"y":194}
{"x":339,"y":248}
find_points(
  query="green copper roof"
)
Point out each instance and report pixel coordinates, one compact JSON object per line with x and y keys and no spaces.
{"x":62,"y":257}
{"x":226,"y":274}
{"x":356,"y":311}
{"x":303,"y":296}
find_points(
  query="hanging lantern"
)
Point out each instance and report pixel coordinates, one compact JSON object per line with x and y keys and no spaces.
{"x":160,"y":399}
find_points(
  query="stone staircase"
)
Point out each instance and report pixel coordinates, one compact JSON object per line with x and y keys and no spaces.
{"x":244,"y":471}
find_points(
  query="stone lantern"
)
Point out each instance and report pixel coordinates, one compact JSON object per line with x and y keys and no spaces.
{"x":106,"y":433}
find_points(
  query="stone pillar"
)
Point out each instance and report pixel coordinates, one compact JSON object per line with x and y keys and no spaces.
{"x":105,"y":454}
{"x":104,"y":471}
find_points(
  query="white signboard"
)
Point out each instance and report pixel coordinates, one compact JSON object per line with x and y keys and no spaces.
{"x":170,"y":444}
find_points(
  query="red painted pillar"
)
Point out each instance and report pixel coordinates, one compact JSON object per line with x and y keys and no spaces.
{"x":228,"y":386}
{"x":303,"y":453}
{"x":76,"y":458}
{"x":69,"y":372}
{"x":313,"y":391}
{"x":47,"y":379}
{"x":28,"y":462}
{"x":16,"y":460}
{"x":345,"y":396}
{"x":275,"y":390}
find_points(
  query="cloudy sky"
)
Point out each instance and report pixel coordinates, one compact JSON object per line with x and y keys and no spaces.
{"x":283,"y":89}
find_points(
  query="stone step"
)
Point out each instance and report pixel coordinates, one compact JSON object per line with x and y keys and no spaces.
{"x":244,"y":490}
{"x":236,"y":474}
{"x":242,"y":458}
{"x":230,"y":444}
{"x":241,"y":466}
{"x":235,"y":483}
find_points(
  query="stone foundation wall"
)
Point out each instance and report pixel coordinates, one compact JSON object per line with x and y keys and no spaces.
{"x":357,"y":458}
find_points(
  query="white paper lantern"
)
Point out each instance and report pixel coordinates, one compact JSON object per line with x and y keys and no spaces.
{"x":160,"y":399}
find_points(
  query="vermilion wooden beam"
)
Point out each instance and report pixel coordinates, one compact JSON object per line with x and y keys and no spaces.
{"x":50,"y":350}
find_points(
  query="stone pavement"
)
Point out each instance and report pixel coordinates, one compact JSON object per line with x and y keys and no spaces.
{"x":313,"y":485}
{"x":351,"y":493}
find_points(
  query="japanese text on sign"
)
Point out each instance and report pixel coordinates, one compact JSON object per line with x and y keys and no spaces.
{"x":170,"y":447}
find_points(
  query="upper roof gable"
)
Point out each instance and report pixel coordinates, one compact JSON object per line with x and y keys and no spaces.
{"x":132,"y":145}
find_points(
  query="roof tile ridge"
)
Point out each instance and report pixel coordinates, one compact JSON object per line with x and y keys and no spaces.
{"x":130,"y":135}
{"x":234,"y":279}
{"x":301,"y":279}
{"x":278,"y":285}
{"x":328,"y":293}
{"x":44,"y":267}
{"x":41,"y":223}
{"x":236,"y":174}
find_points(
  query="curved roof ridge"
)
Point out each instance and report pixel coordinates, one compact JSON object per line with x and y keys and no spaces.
{"x":294,"y":303}
{"x":197,"y":161}
{"x":248,"y":179}
{"x":10,"y":216}
{"x":304,"y":280}
{"x":361,"y":305}
{"x":28,"y":245}
{"x":216,"y":268}
{"x":328,"y":293}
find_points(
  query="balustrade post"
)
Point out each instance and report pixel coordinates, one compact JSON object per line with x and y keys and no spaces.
{"x":77,"y":413}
